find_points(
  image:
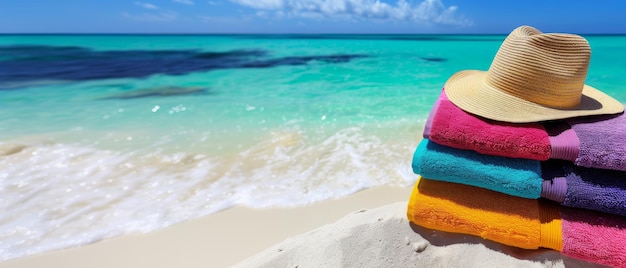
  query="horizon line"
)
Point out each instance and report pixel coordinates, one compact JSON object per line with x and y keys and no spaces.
{"x":243,"y":33}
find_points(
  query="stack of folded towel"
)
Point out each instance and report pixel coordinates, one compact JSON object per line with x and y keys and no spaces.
{"x":498,"y":168}
{"x":469,"y":150}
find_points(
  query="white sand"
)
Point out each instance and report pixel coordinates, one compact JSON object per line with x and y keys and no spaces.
{"x":380,"y":237}
{"x":383,"y":237}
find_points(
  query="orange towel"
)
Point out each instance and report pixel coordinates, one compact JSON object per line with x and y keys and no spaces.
{"x":510,"y":220}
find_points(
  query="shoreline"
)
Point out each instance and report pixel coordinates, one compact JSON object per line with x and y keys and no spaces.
{"x":217,"y":240}
{"x":366,"y":229}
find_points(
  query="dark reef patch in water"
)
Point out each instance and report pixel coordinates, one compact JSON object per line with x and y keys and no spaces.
{"x":158,"y":92}
{"x":20,"y":64}
{"x":434,"y":59}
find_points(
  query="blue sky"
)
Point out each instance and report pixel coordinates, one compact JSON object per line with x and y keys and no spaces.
{"x":310,"y":16}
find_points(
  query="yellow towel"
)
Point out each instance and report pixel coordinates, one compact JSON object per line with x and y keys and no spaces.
{"x":510,"y":220}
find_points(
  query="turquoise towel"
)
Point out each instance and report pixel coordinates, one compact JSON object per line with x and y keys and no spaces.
{"x":438,"y":162}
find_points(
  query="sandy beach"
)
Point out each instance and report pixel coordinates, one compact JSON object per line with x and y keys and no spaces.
{"x":218,"y":240}
{"x":367,"y":229}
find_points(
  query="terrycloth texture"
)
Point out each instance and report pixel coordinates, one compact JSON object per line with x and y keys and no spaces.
{"x":596,"y":141}
{"x":506,"y":219}
{"x":519,"y":222}
{"x":557,"y":180}
{"x":518,"y":177}
{"x":589,"y":188}
{"x":602,"y":141}
{"x":594,"y":237}
{"x":449,"y":125}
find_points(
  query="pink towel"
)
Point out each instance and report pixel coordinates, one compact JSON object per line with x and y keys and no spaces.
{"x":450,"y":126}
{"x":596,"y":142}
{"x":594,"y":236}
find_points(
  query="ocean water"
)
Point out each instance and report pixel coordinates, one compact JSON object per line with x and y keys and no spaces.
{"x":103,"y":135}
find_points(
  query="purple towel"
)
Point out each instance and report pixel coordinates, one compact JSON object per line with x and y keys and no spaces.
{"x":580,"y":187}
{"x":602,"y":141}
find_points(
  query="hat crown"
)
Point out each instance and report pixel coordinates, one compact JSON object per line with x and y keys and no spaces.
{"x":547,"y":69}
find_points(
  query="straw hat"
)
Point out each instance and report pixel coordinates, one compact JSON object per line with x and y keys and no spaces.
{"x":533,"y":77}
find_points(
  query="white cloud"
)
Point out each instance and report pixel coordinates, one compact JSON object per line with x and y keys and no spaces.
{"x":152,"y":14}
{"x":146,"y":5}
{"x":427,"y":11}
{"x":186,"y":2}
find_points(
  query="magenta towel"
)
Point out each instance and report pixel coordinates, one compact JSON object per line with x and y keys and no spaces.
{"x":594,"y":236}
{"x":450,"y":126}
{"x":597,"y":142}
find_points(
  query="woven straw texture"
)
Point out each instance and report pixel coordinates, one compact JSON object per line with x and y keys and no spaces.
{"x":533,"y":77}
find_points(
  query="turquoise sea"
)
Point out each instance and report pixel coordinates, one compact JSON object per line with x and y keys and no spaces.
{"x":102,"y":135}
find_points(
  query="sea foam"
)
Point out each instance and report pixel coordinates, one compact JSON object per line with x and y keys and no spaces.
{"x":57,"y":195}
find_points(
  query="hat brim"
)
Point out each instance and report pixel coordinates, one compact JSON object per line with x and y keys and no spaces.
{"x":468,"y":90}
